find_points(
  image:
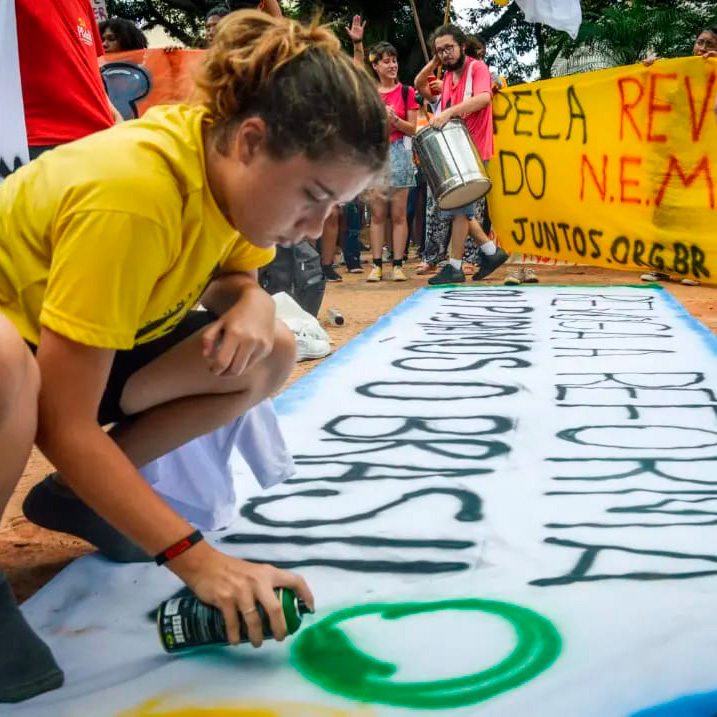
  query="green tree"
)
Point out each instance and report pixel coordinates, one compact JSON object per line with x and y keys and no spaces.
{"x":510,"y":41}
{"x":181,"y":19}
{"x":390,"y":20}
{"x":627,"y":31}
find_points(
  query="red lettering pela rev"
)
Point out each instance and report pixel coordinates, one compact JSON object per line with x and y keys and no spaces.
{"x":646,"y":102}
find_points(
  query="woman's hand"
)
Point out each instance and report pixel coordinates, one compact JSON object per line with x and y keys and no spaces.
{"x":393,"y":118}
{"x":242,"y":336}
{"x":355,"y":31}
{"x":236,"y":586}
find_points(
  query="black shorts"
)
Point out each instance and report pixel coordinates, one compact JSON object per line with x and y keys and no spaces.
{"x":130,"y":361}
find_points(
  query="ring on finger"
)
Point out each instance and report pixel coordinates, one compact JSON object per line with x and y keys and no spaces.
{"x":249,"y":612}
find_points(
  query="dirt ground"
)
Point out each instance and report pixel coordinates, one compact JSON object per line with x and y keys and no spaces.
{"x":31,"y":555}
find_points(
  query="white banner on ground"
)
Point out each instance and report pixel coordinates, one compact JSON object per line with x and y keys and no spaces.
{"x":13,"y":139}
{"x":504,"y":503}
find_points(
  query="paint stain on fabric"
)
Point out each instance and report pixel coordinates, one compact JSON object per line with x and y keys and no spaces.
{"x":170,"y":707}
{"x":702,"y":705}
{"x":325,"y":655}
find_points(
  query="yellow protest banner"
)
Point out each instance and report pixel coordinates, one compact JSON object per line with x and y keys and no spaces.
{"x":615,"y":168}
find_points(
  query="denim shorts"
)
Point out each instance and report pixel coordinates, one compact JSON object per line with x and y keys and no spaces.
{"x":469,"y":210}
{"x":403,"y":171}
{"x":129,"y":361}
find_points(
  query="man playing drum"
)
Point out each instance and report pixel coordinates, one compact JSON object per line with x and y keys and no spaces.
{"x":465,"y":92}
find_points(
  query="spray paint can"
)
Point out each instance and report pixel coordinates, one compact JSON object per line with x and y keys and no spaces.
{"x":186,"y":622}
{"x":336,"y":317}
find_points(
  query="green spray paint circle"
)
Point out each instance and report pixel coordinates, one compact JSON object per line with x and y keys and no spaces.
{"x":324,"y":654}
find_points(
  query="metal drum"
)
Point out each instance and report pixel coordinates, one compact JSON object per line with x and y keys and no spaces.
{"x":452,"y":165}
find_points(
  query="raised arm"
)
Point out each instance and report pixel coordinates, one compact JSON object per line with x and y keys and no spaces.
{"x":272,"y":7}
{"x":430,"y":90}
{"x":355,"y":32}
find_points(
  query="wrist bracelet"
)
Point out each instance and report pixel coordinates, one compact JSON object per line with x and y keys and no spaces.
{"x":178,"y":548}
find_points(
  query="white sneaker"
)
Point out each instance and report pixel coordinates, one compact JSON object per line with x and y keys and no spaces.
{"x":310,"y":346}
{"x":654,"y":276}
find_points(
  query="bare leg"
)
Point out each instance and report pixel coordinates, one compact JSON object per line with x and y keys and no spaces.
{"x":399,"y":222}
{"x":388,"y":230}
{"x":170,"y":401}
{"x":459,"y":231}
{"x":19,"y":389}
{"x":476,"y":232}
{"x":377,"y":229}
{"x":27,"y":667}
{"x":176,"y":398}
{"x":377,"y":233}
{"x":329,"y":238}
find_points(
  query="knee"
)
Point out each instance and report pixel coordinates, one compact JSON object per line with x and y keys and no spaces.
{"x":460,"y":224}
{"x":398,"y":215}
{"x":283,"y":355}
{"x":279,"y":363}
{"x":378,"y":213}
{"x":20,"y":382}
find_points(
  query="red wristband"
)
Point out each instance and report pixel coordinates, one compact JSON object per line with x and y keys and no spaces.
{"x":178,"y":548}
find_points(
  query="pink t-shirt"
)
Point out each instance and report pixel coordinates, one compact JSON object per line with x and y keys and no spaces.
{"x":394,"y":99}
{"x":480,"y":123}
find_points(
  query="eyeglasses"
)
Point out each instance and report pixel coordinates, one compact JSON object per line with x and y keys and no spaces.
{"x":447,"y":50}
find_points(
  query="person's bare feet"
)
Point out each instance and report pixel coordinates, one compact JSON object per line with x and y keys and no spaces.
{"x":426,"y":268}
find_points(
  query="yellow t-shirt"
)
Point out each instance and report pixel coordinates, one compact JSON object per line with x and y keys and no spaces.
{"x":110,"y":240}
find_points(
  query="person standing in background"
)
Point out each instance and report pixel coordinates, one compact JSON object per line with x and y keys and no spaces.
{"x":212,"y":20}
{"x":706,"y":47}
{"x":63,"y":94}
{"x":120,"y":35}
{"x":466,"y":92}
{"x":391,"y":198}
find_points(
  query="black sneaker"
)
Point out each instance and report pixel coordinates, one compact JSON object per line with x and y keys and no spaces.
{"x":27,"y":667}
{"x":330,"y":274}
{"x":55,"y":507}
{"x":353,"y":265}
{"x":488,"y":264}
{"x":447,"y":275}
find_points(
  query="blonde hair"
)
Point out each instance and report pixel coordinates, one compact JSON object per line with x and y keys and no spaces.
{"x":311,"y":96}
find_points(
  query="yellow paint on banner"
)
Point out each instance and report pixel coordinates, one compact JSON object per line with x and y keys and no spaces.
{"x":168,"y":707}
{"x":616,"y":168}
